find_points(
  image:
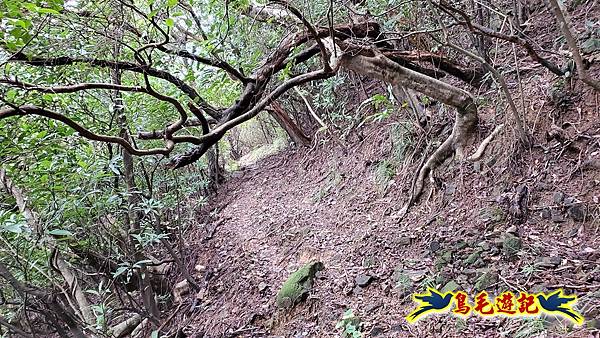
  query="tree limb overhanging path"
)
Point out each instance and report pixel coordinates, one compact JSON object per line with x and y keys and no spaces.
{"x":358,"y":46}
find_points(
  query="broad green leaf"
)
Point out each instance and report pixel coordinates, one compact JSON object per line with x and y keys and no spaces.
{"x":15,"y":228}
{"x":120,"y":271}
{"x":48,"y":11}
{"x":60,"y":232}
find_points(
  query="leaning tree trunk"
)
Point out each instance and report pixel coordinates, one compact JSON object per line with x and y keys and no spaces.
{"x":76,"y":298}
{"x":216,"y":172}
{"x":291,"y":128}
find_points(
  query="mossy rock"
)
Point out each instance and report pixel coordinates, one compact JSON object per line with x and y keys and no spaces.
{"x":492,"y":215}
{"x":473,"y":257}
{"x":461,"y":244}
{"x":486,"y":279}
{"x":593,"y":324}
{"x":511,"y":245}
{"x":451,"y":286}
{"x":296,"y":287}
{"x":443,"y":259}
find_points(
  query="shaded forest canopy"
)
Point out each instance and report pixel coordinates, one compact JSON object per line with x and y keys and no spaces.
{"x":121,"y":121}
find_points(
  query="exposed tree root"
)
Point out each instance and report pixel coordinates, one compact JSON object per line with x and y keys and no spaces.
{"x":125,"y":327}
{"x":371,"y":62}
{"x":454,"y":144}
{"x":481,"y":149}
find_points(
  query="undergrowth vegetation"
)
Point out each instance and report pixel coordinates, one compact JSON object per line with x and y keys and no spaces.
{"x":120,"y":120}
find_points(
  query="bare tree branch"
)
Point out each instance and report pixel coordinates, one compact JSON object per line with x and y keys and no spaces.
{"x":478,"y":29}
{"x":84,"y":132}
{"x":169,"y":130}
{"x":121,"y":65}
{"x":70,"y":88}
{"x":311,"y":30}
{"x":564,"y":27}
{"x":234,"y":73}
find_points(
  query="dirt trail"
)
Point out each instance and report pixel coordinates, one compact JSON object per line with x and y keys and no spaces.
{"x":324,"y":204}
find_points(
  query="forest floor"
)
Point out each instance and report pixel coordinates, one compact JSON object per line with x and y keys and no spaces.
{"x":327,"y":205}
{"x":519,"y":219}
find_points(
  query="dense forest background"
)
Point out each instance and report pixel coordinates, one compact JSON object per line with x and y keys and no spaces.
{"x":165,"y":165}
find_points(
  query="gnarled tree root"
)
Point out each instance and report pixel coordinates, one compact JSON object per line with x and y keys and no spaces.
{"x":481,"y":149}
{"x":371,"y":62}
{"x":463,"y":127}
